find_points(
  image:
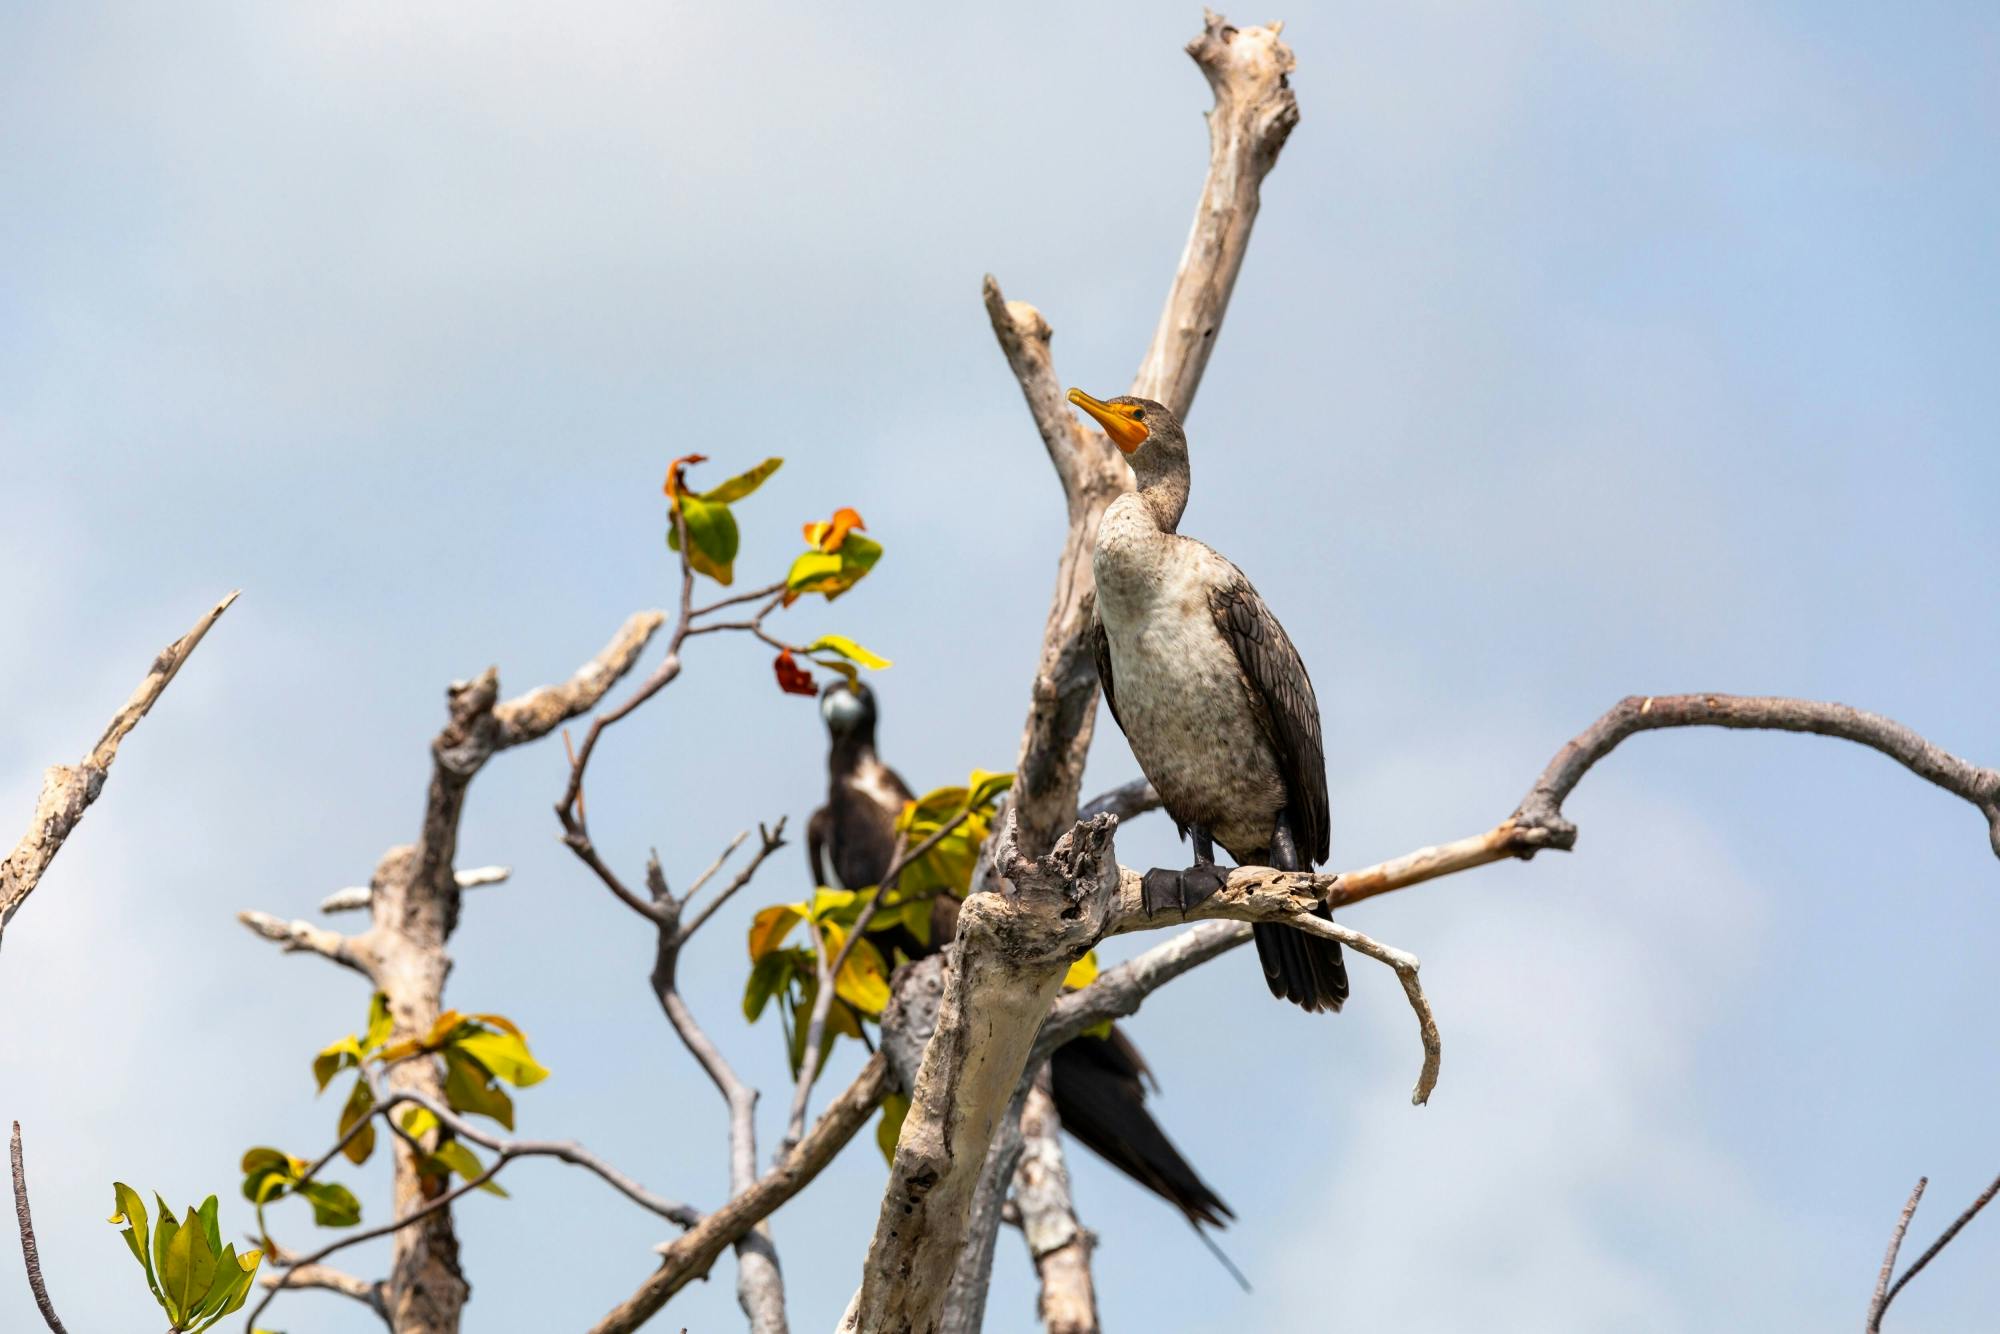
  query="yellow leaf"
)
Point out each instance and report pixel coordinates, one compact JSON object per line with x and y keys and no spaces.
{"x":1081,"y":973}
{"x":771,"y":925}
{"x":864,"y":978}
{"x":848,"y":649}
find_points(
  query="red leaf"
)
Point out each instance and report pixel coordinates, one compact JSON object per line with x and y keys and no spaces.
{"x":792,"y":678}
{"x":677,"y":473}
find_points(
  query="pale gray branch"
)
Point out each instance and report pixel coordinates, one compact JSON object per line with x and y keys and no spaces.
{"x":355,"y":897}
{"x":324,"y":1279}
{"x":302,"y":937}
{"x":68,"y":790}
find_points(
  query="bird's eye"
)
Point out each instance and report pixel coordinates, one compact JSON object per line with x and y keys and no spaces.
{"x":1138,"y":414}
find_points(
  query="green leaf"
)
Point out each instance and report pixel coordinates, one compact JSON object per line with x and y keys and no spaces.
{"x":832,"y":573}
{"x":131,"y":1211}
{"x":767,"y":977}
{"x":506,"y":1057}
{"x":742,"y":484}
{"x":233,"y":1276}
{"x":380,"y":1023}
{"x":1100,"y":1030}
{"x":360,"y":1106}
{"x":164,"y":1233}
{"x":895,"y":1108}
{"x":469,"y":1088}
{"x":188,"y":1271}
{"x":333,"y":1204}
{"x":419,"y":1122}
{"x":848,"y":649}
{"x":341,"y":1055}
{"x":712,"y":534}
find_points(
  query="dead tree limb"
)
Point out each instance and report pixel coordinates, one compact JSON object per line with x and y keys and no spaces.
{"x":31,"y":1252}
{"x":1058,"y":1244}
{"x":68,"y":790}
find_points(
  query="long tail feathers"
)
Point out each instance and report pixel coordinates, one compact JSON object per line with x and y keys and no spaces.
{"x":1101,"y":1099}
{"x":1306,"y":970}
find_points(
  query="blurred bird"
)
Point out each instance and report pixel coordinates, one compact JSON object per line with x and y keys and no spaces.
{"x":1098,"y":1083}
{"x":1211,"y":695}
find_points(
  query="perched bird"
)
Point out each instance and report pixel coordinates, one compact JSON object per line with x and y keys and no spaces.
{"x":1099,"y":1084}
{"x":1211,"y":695}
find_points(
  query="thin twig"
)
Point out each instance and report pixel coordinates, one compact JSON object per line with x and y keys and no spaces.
{"x":768,"y":590}
{"x":1971,"y":1212}
{"x":773,"y":839}
{"x":30,"y":1252}
{"x":1881,"y":1301}
{"x":714,"y":866}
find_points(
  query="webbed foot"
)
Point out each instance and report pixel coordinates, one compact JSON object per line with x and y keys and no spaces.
{"x":1161,"y":888}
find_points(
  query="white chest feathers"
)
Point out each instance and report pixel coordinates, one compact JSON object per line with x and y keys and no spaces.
{"x":1182,"y":698}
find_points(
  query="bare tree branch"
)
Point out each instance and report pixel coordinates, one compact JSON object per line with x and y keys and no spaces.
{"x":965,"y":1299}
{"x":355,"y":897}
{"x":1059,"y":1245}
{"x":1882,"y":1299}
{"x":1542,"y":807}
{"x":302,"y":937}
{"x":689,"y":1258}
{"x":68,"y":790}
{"x":1125,"y":801}
{"x":772,"y":840}
{"x":370,"y":1293}
{"x":31,"y":1253}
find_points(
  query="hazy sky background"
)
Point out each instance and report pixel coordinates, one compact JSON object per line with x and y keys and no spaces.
{"x":1582,"y":350}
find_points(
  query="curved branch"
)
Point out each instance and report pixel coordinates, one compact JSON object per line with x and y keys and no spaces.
{"x":31,"y":1253}
{"x":68,"y":790}
{"x":1542,"y":807}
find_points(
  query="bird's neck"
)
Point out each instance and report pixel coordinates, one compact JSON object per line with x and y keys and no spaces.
{"x":852,"y":752}
{"x":1166,"y":496}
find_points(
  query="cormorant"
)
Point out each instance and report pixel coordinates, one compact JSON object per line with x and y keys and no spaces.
{"x":1211,"y":695}
{"x":1098,"y":1084}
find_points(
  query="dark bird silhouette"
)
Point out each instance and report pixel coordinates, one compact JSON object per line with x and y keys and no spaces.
{"x":1212,"y":696}
{"x":1098,"y":1084}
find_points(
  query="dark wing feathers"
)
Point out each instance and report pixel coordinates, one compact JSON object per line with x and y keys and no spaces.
{"x":1100,"y":650}
{"x":818,"y":831}
{"x":1289,"y":712}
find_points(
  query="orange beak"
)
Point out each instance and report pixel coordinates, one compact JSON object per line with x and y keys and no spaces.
{"x":1119,"y":420}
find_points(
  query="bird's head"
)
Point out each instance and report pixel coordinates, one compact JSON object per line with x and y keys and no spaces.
{"x":849,"y":710}
{"x":1146,"y":433}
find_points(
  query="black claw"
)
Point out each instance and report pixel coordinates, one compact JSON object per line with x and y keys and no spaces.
{"x":1160,"y":889}
{"x":1199,"y":883}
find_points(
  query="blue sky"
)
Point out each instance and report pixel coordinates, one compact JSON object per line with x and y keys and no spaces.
{"x":1581,"y":351}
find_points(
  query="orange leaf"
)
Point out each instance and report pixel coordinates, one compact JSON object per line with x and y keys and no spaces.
{"x":792,"y":678}
{"x":828,"y":536}
{"x":677,"y":473}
